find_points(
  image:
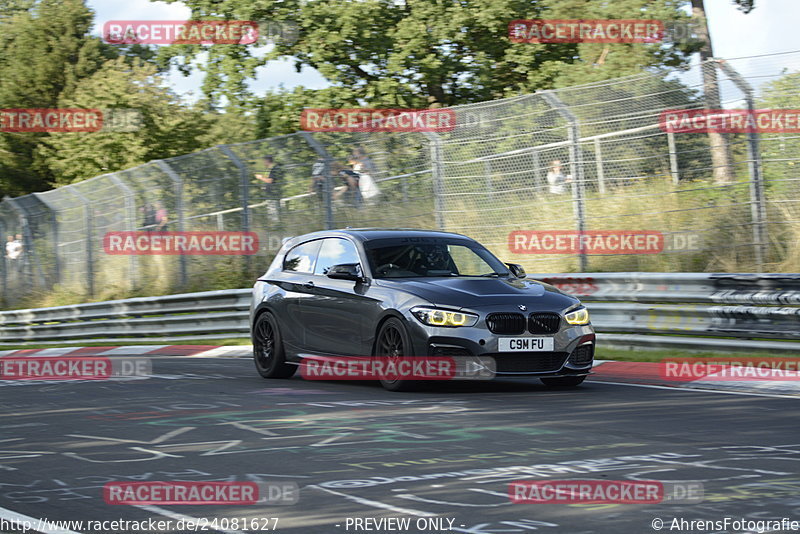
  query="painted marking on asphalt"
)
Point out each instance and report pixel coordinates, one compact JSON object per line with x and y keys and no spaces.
{"x":11,"y":516}
{"x":376,"y":504}
{"x":134,"y":350}
{"x":230,"y":351}
{"x":20,"y":352}
{"x":182,"y":350}
{"x":184,"y":518}
{"x":697,"y":390}
{"x":86,"y":351}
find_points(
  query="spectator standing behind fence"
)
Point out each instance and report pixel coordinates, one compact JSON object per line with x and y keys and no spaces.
{"x":160,"y":219}
{"x":363,"y":166}
{"x":14,"y":252}
{"x":557,"y":179}
{"x":13,"y":248}
{"x":317,"y":186}
{"x":149,"y":218}
{"x":366,"y":162}
{"x":350,"y":191}
{"x":272,"y":177}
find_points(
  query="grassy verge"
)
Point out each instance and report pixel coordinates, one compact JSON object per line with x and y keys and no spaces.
{"x":648,"y":355}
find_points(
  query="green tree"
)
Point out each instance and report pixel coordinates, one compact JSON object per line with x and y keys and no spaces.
{"x":278,"y":112}
{"x":167,"y":128}
{"x":44,"y":52}
{"x":417,"y":53}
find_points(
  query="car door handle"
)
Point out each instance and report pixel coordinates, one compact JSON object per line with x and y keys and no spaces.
{"x":309,"y":285}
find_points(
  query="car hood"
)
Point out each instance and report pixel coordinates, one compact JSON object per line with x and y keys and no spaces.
{"x":480,"y":292}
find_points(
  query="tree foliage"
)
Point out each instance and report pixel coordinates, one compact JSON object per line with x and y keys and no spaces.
{"x":166,"y":128}
{"x":415,"y":53}
{"x":48,"y":59}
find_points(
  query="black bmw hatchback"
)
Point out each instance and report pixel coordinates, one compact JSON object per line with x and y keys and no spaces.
{"x":378,"y":293}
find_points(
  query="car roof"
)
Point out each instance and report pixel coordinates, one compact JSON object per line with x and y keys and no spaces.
{"x":368,"y":234}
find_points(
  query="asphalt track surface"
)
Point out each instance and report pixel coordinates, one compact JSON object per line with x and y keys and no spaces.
{"x":358,"y":451}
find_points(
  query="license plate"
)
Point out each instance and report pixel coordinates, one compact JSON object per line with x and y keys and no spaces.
{"x":525,"y":344}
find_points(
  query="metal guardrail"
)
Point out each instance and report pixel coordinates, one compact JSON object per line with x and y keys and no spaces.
{"x":694,"y":311}
{"x":208,"y":314}
{"x":744,"y":306}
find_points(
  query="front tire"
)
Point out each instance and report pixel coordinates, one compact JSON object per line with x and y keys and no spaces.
{"x":563,"y":381}
{"x":393,"y":341}
{"x":268,"y":353}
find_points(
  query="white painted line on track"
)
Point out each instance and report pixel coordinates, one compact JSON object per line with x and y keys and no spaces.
{"x":49,"y":353}
{"x":375,"y":504}
{"x":697,"y":390}
{"x":221,"y":352}
{"x":133,"y":350}
{"x":185,"y":518}
{"x":14,"y":517}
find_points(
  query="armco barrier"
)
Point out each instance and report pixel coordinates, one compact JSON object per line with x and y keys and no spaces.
{"x":693,"y":311}
{"x":644,"y":309}
{"x":209,"y":314}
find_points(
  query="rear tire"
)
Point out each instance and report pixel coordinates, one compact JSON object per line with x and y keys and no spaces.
{"x":563,"y":381}
{"x":268,"y":353}
{"x":393,"y":341}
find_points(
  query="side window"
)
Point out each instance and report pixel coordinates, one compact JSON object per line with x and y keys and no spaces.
{"x":301,"y":258}
{"x":335,"y":251}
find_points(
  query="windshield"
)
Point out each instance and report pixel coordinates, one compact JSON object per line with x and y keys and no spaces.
{"x":409,"y":260}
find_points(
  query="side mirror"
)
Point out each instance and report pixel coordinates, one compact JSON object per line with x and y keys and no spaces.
{"x":516,"y":269}
{"x":346,"y":271}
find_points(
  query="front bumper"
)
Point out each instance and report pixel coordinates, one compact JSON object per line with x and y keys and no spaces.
{"x":572,"y":355}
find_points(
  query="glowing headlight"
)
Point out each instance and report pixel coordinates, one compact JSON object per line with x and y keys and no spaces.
{"x":579,"y":316}
{"x":434,"y":317}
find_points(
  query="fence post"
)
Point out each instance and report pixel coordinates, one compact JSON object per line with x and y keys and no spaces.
{"x":89,"y":215}
{"x":56,"y":239}
{"x":673,"y":159}
{"x":177,"y":183}
{"x":56,"y":243}
{"x":757,"y":205}
{"x":598,"y":160}
{"x":539,"y":181}
{"x":576,"y":166}
{"x":130,"y":225}
{"x":438,"y":177}
{"x":244,"y":176}
{"x":317,"y":147}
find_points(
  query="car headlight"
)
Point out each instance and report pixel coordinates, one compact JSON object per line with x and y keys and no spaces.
{"x":434,"y":317}
{"x":579,"y":316}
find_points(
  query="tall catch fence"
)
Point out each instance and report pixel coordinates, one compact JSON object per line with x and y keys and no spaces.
{"x":726,"y":203}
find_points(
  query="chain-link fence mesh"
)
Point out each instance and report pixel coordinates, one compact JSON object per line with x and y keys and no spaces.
{"x":590,"y":158}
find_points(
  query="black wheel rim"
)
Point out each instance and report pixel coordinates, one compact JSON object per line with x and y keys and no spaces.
{"x":265,"y":343}
{"x":391,"y":348}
